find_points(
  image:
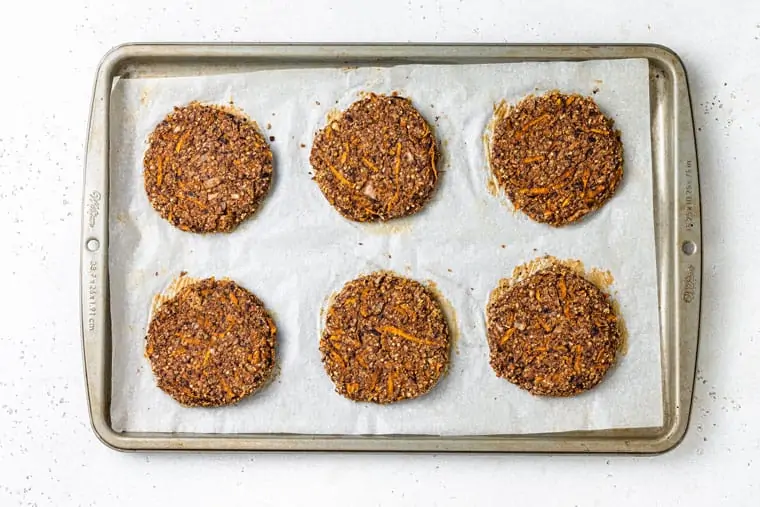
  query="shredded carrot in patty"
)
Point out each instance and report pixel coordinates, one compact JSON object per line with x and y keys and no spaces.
{"x":181,"y":141}
{"x":535,"y":191}
{"x":507,"y":335}
{"x":537,"y":120}
{"x":160,"y":175}
{"x":406,"y":336}
{"x":339,"y":176}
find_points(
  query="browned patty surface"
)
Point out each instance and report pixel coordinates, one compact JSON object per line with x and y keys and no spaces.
{"x":553,"y":333}
{"x":557,"y":157}
{"x":212,"y":344}
{"x":385,"y":339}
{"x":206,"y":169}
{"x":377,"y":161}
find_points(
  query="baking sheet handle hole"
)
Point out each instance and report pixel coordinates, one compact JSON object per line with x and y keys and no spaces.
{"x":689,"y":247}
{"x":92,"y":245}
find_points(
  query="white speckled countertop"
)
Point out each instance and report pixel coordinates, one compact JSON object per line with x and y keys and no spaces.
{"x":49,"y":455}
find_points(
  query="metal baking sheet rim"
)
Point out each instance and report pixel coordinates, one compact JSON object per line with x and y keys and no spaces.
{"x":676,"y":219}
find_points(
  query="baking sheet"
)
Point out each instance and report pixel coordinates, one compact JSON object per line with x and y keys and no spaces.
{"x":297,"y":251}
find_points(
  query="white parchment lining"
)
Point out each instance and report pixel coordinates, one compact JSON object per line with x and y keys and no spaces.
{"x":296,"y":251}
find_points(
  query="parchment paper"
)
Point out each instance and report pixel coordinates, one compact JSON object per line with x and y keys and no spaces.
{"x":297,"y":251}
